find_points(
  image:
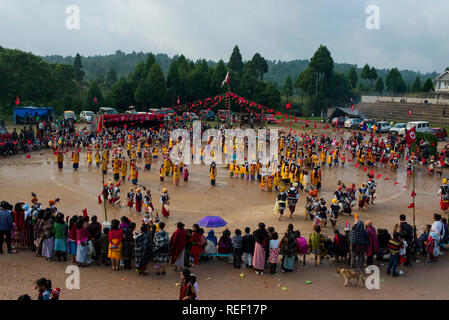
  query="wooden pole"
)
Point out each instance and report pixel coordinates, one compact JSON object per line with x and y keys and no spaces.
{"x":102,"y":172}
{"x":414,"y":231}
{"x":229,"y":100}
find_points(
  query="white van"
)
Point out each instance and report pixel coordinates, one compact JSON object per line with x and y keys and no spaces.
{"x":421,"y":126}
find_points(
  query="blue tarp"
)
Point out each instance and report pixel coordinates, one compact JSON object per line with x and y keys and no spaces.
{"x":23,"y":112}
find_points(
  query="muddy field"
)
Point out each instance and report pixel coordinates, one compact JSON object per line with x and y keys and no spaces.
{"x":241,"y":204}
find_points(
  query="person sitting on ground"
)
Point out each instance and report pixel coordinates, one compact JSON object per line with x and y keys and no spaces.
{"x":211,"y":246}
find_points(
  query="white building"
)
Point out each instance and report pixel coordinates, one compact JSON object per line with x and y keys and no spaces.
{"x":442,"y":83}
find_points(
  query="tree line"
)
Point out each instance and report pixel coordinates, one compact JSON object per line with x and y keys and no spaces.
{"x":159,"y":81}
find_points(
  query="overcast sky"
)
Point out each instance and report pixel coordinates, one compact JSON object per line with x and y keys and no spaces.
{"x":413,"y":34}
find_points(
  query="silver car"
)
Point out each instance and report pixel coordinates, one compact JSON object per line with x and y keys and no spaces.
{"x":398,"y":128}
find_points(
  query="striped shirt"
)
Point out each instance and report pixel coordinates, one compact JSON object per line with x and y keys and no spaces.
{"x":394,"y":246}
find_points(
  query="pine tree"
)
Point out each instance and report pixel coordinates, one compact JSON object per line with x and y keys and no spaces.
{"x":78,"y":65}
{"x":236,"y":62}
{"x":353,"y":78}
{"x":287,"y":90}
{"x":428,"y":86}
{"x":416,"y":87}
{"x":379,"y":86}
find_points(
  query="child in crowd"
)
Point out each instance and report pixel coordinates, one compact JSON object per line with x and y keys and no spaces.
{"x":248,"y":243}
{"x":316,"y":244}
{"x":274,"y":252}
{"x":104,"y":245}
{"x":43,"y":286}
{"x":237,"y":248}
{"x":402,"y":252}
{"x":395,"y":246}
{"x":340,"y":246}
{"x":194,"y":284}
{"x":301,"y":246}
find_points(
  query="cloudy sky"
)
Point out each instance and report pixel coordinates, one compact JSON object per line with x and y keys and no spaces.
{"x":412,"y":34}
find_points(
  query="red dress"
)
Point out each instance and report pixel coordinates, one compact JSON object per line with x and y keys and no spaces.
{"x":196,"y":248}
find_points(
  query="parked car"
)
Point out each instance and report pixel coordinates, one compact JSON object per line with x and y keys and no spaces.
{"x":107,"y":110}
{"x":207,"y":115}
{"x":421,"y":126}
{"x":338,"y":122}
{"x":440,"y":133}
{"x":270,"y":118}
{"x":399,"y":129}
{"x":131,"y":112}
{"x":383,"y":126}
{"x":353,"y":123}
{"x":69,"y":115}
{"x":86,"y":116}
{"x":189,"y":116}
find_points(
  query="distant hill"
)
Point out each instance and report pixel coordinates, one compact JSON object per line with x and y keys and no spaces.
{"x":124,"y":64}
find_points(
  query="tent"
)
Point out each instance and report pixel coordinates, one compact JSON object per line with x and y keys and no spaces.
{"x":29,"y":114}
{"x":345,"y":112}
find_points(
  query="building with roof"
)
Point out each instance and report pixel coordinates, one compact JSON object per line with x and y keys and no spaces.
{"x":442,"y":83}
{"x":345,"y":112}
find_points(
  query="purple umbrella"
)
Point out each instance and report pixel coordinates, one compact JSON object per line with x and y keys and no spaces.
{"x":212,"y":222}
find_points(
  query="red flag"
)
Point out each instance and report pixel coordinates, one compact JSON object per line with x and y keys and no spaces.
{"x":387,"y":179}
{"x":412,"y":205}
{"x":85,"y":213}
{"x":409,"y":112}
{"x":17,"y":100}
{"x":100,"y":124}
{"x":288,"y":106}
{"x":99,"y":200}
{"x":413,"y":194}
{"x":410,"y":135}
{"x":365,"y":168}
{"x":95,"y":99}
{"x":396,"y":183}
{"x":357,"y":165}
{"x":178,"y":100}
{"x":28,"y":156}
{"x":378,"y":176}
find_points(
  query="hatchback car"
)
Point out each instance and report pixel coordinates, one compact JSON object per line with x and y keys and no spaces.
{"x":440,"y":133}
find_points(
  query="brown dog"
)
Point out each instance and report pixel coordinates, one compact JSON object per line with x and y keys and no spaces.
{"x":349,"y":274}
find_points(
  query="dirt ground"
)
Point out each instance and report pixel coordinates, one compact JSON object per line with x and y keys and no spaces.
{"x":241,"y":204}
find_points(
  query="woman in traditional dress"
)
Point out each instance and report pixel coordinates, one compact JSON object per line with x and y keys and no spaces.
{"x":71,"y":243}
{"x":288,"y":249}
{"x":260,"y":249}
{"x":142,"y":248}
{"x":37,"y":232}
{"x":161,"y":249}
{"x":177,"y":246}
{"x":128,"y":245}
{"x":115,"y":237}
{"x":60,"y":232}
{"x":48,"y":238}
{"x":82,"y":238}
{"x":165,"y":200}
